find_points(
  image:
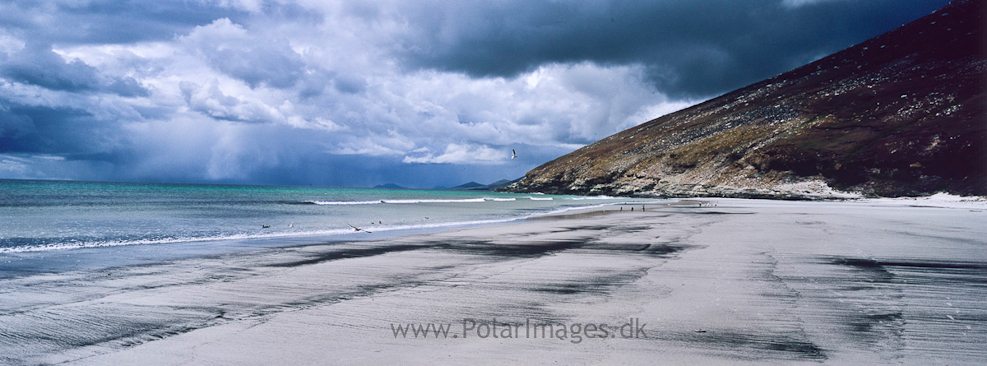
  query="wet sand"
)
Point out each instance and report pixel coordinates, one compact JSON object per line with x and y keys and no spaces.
{"x":726,"y":282}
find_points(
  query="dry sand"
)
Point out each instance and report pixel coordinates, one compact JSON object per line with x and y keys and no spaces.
{"x":743,"y":281}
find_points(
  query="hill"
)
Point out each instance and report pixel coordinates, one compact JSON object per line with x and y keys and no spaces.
{"x":389,"y":186}
{"x":900,"y":114}
{"x":474,"y":186}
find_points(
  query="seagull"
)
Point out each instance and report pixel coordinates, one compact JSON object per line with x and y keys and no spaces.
{"x":513,"y":154}
{"x":359,"y":229}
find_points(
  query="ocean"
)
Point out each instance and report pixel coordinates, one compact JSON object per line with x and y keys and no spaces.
{"x":52,"y":226}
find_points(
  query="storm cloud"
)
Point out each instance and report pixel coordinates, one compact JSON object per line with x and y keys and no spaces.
{"x":690,"y":48}
{"x":358,"y":93}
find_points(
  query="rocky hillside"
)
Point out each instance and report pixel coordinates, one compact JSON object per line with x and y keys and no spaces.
{"x":900,"y":114}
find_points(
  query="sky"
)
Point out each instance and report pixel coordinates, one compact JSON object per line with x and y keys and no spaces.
{"x":420,"y":93}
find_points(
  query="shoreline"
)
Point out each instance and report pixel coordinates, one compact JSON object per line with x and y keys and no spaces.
{"x":745,"y":281}
{"x":35,"y":261}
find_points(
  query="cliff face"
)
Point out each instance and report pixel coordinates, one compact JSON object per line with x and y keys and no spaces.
{"x":900,"y":114}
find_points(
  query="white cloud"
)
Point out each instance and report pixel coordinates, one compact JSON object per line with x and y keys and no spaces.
{"x":10,"y":44}
{"x":463,"y":154}
{"x":799,"y":3}
{"x":41,"y":166}
{"x":13,"y":166}
{"x":253,"y":6}
{"x":364,"y":147}
{"x":213,"y":102}
{"x":230,"y":98}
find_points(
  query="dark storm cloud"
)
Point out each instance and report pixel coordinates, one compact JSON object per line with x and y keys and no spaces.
{"x":59,"y":131}
{"x":690,"y":48}
{"x":107,"y":21}
{"x":14,"y":129}
{"x":37,"y":65}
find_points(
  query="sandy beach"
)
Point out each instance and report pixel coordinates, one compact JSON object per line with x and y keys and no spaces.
{"x":725,"y":281}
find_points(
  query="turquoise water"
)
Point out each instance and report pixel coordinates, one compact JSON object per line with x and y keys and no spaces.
{"x":63,"y":217}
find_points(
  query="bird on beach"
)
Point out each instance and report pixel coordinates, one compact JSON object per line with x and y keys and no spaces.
{"x":513,"y":154}
{"x":359,"y":229}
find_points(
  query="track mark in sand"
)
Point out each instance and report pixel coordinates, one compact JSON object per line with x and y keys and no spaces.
{"x":349,"y":253}
{"x":776,"y":330}
{"x":865,"y":304}
{"x":800,"y":343}
{"x":361,"y":291}
{"x":650,"y":249}
{"x":880,"y":265}
{"x":530,"y":249}
{"x":60,"y":332}
{"x":593,"y":285}
{"x":754,"y":347}
{"x":932,"y":302}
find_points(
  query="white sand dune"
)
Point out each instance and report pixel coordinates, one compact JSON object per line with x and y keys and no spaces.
{"x":742,"y":282}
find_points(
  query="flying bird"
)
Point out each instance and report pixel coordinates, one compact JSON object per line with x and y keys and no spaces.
{"x":513,"y":154}
{"x":359,"y":229}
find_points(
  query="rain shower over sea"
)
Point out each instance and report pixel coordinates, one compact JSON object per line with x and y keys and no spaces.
{"x":52,"y":226}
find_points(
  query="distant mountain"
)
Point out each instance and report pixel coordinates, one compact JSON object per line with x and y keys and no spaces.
{"x":503,"y":183}
{"x":470,"y":186}
{"x":899,"y":114}
{"x":389,"y":186}
{"x":474,"y":186}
